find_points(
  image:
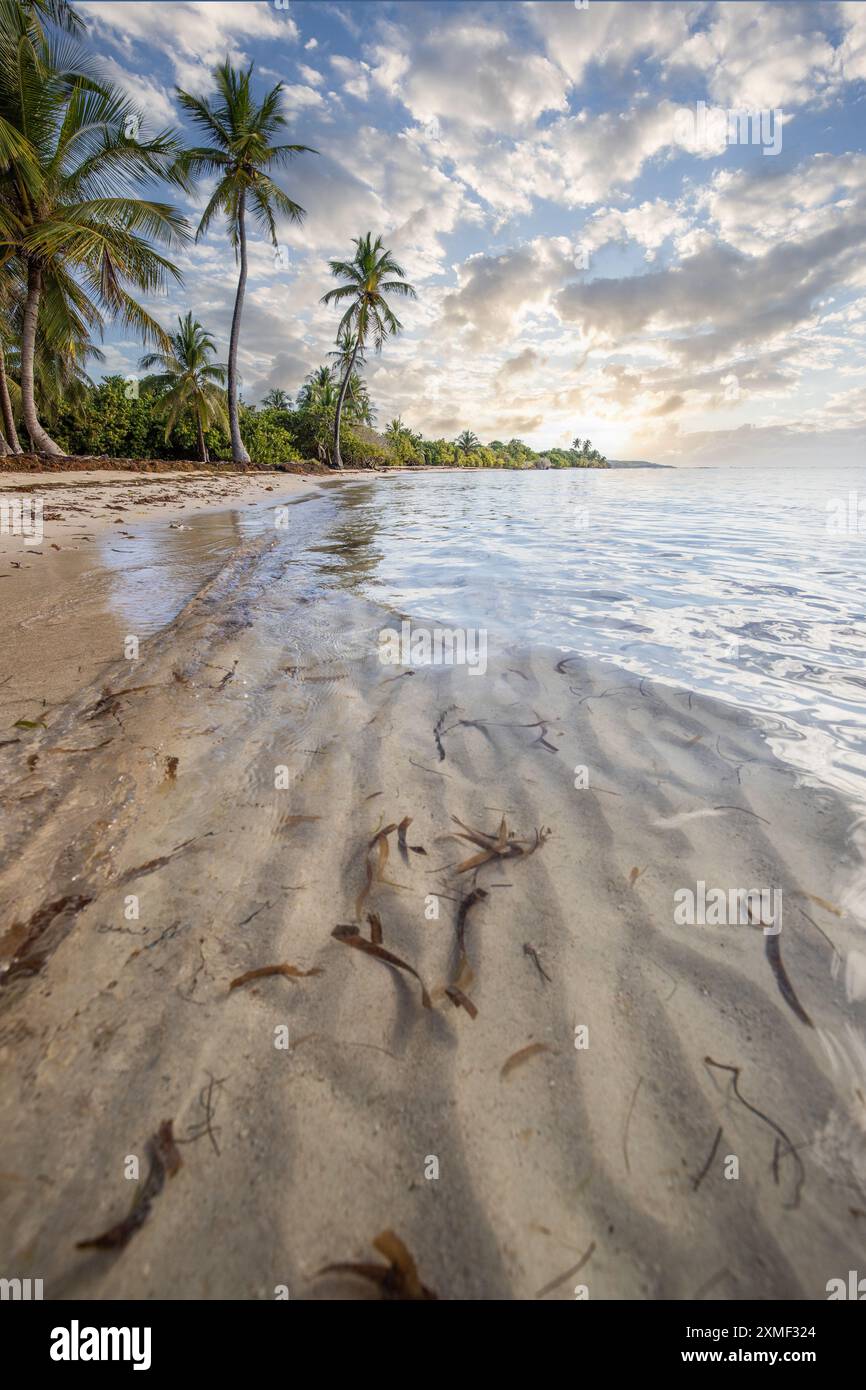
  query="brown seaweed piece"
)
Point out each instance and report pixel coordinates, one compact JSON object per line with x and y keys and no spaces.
{"x":518,"y":1058}
{"x":529,"y":950}
{"x":773,"y":952}
{"x":375,"y":871}
{"x":291,"y":972}
{"x":351,"y":936}
{"x":165,"y":1160}
{"x":500,"y":846}
{"x":398,"y":1280}
{"x":799,"y":1170}
{"x":461,"y":1000}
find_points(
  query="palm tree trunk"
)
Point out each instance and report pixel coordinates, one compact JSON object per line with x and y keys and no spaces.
{"x":338,"y":462}
{"x":239,"y":453}
{"x":41,"y":441}
{"x":202,"y":447}
{"x":9,"y":430}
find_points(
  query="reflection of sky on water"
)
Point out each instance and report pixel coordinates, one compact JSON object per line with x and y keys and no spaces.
{"x":722,"y":581}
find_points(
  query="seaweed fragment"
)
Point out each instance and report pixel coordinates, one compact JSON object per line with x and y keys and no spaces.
{"x":569,"y":1273}
{"x":501,"y":846}
{"x":799,"y":1170}
{"x":165,"y":1160}
{"x":351,"y":936}
{"x":523,"y":1055}
{"x":530,"y":951}
{"x":397,"y":1280}
{"x":773,"y":952}
{"x":291,"y":972}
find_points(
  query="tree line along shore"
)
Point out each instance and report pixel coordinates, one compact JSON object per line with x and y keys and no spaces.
{"x":85,"y":241}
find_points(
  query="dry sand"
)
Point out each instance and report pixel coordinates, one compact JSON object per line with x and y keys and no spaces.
{"x":609,"y":1158}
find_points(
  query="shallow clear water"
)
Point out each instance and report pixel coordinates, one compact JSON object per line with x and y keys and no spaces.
{"x":749,"y":585}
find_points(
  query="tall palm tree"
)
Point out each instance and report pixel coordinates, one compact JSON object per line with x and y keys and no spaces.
{"x":277,"y":399}
{"x":8,"y":297}
{"x":241,"y":153}
{"x":371,"y":274}
{"x":69,"y":225}
{"x":467,"y":441}
{"x":191,"y":384}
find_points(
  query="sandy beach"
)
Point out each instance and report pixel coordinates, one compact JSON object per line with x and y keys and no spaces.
{"x":565,"y":1117}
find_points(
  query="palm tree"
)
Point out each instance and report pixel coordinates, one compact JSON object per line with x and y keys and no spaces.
{"x":241,"y":153}
{"x":371,"y":274}
{"x":58,"y":12}
{"x":191,"y":383}
{"x":70,"y":229}
{"x":277,"y":400}
{"x":319,"y":391}
{"x":467,"y":441}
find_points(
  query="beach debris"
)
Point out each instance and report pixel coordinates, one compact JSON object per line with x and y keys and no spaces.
{"x":822,"y":902}
{"x":745,"y":810}
{"x":773,"y":952}
{"x":109,"y":700}
{"x":165,"y":1160}
{"x":523,"y":1055}
{"x":291,"y":972}
{"x":500,"y":846}
{"x":229,"y":676}
{"x":635,"y":875}
{"x":696,"y":1182}
{"x":799,"y":1170}
{"x":151,"y":865}
{"x":205,"y":1126}
{"x":401,"y":839}
{"x":628,"y":1123}
{"x":171,"y":764}
{"x":561,"y":664}
{"x":289,"y":822}
{"x":375,"y":928}
{"x":397,"y":1280}
{"x":477,"y":895}
{"x":351,"y":936}
{"x":437,"y":730}
{"x":91,"y":747}
{"x":374,"y":865}
{"x":29,"y":724}
{"x":542,"y":737}
{"x":569,"y":1273}
{"x":530,"y":951}
{"x":254,"y":914}
{"x":461,"y":1000}
{"x":24,"y":936}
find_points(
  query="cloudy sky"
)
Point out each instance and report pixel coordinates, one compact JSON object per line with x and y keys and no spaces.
{"x":597,"y":249}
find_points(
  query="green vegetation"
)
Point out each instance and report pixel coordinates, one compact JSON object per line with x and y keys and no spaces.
{"x":79,"y":241}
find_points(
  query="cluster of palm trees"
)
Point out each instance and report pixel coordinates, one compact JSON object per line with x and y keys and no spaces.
{"x":80,"y":244}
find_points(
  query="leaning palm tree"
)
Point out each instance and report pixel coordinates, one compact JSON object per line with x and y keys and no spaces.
{"x":371,"y":274}
{"x":189,"y":383}
{"x":241,"y":153}
{"x":467,"y":441}
{"x":70,"y":227}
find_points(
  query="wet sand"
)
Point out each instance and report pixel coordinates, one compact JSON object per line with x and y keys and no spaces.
{"x":234,"y":789}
